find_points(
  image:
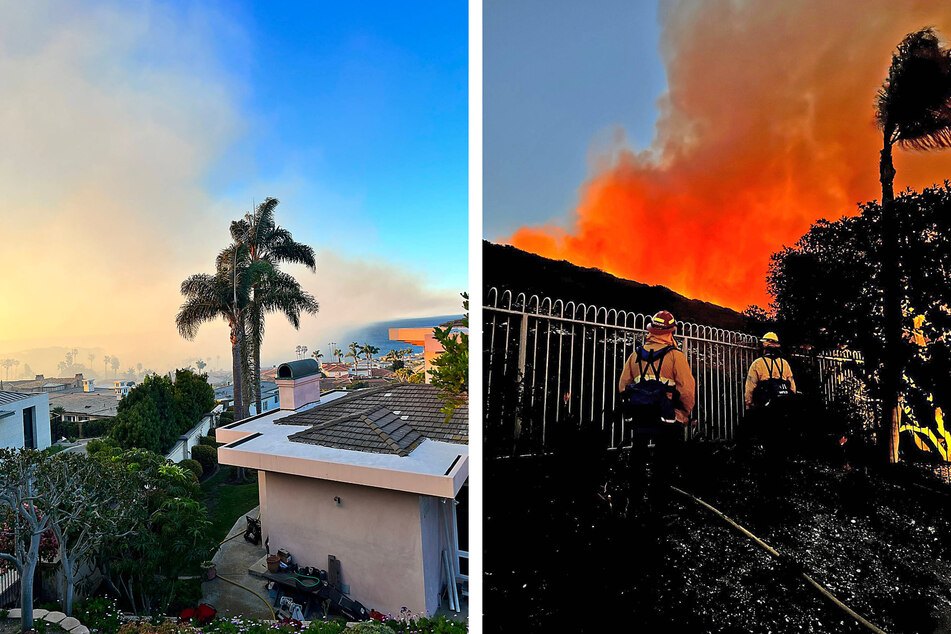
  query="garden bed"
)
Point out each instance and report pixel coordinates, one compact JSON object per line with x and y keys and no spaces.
{"x":555,"y":556}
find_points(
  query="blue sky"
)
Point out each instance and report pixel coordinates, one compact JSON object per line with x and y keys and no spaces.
{"x":560,"y":79}
{"x":362,"y":108}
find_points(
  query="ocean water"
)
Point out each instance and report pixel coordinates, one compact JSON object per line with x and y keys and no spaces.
{"x":378,"y":334}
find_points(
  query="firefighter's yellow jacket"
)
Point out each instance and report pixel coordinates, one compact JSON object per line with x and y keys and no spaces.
{"x":760,"y":370}
{"x":674,"y":371}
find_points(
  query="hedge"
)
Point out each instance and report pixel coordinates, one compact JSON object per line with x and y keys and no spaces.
{"x":192,"y":465}
{"x":208,"y":441}
{"x":206,"y":456}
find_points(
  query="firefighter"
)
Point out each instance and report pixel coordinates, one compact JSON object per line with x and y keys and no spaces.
{"x":770,"y":375}
{"x":657,"y":390}
{"x":768,"y":384}
{"x":672,"y":368}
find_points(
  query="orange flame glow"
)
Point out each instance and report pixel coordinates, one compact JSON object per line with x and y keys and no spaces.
{"x":767,"y":127}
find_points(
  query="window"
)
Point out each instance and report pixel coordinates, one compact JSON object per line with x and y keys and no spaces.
{"x":29,"y":427}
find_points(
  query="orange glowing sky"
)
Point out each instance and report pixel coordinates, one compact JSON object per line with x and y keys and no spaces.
{"x":767,"y":126}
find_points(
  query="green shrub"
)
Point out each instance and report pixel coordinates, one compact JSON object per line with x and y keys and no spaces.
{"x":206,"y":456}
{"x":96,"y":445}
{"x":99,"y":614}
{"x":208,"y":441}
{"x":192,"y":465}
{"x":357,"y":385}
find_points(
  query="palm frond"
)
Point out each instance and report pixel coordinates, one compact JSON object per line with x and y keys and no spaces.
{"x":914,"y":104}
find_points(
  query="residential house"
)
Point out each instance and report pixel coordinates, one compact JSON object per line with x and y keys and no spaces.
{"x":42,"y":384}
{"x":24,"y":420}
{"x":371,"y":477}
{"x":336,"y":370}
{"x":122,"y":388}
{"x":81,"y":406}
{"x":270,"y":397}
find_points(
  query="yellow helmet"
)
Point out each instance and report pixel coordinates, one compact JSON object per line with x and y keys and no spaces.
{"x":770,"y":337}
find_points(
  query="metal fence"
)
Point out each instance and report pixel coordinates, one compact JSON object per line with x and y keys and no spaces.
{"x":549,"y":363}
{"x":9,"y":588}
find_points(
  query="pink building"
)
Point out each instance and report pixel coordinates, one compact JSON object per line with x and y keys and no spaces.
{"x":371,"y":477}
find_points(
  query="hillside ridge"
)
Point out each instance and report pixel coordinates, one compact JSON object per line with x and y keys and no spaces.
{"x":509,"y":268}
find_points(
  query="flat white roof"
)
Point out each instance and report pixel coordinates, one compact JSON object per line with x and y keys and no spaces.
{"x":433,"y":468}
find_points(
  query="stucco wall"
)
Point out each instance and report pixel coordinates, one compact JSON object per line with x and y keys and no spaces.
{"x":434,"y":541}
{"x":11,"y":427}
{"x":375,"y":533}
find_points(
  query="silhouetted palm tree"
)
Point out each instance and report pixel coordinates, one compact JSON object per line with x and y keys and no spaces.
{"x":913,"y":109}
{"x":266,"y":241}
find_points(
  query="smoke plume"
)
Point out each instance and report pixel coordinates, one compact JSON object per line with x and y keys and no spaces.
{"x":767,"y":126}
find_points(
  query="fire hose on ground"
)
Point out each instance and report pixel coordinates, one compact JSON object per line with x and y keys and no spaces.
{"x":785,"y":559}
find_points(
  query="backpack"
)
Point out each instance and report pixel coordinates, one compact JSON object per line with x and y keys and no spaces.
{"x":649,"y":400}
{"x":768,"y":390}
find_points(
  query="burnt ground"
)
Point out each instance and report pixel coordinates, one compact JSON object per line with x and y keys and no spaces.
{"x":556,"y":557}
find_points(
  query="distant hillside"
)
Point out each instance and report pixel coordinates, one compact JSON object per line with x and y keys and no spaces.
{"x":509,"y":268}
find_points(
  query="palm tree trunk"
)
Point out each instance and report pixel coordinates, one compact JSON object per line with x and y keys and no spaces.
{"x":256,"y":360}
{"x":237,"y":379}
{"x":891,"y":369}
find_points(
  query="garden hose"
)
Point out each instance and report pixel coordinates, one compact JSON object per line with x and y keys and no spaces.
{"x":772,"y":551}
{"x":266,"y":602}
{"x":228,"y":539}
{"x":299,"y":578}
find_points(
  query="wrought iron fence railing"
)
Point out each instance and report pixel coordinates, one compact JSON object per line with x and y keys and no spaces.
{"x":9,"y":588}
{"x":548,"y":363}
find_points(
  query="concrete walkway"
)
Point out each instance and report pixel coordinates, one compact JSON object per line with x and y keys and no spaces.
{"x":232,"y":562}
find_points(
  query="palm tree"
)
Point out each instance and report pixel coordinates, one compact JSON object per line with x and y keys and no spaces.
{"x":317,"y":354}
{"x":912,"y":109}
{"x":226,"y":295}
{"x":200,"y":364}
{"x":114,"y":362}
{"x":370,"y":350}
{"x":268,"y":242}
{"x":339,"y":354}
{"x":354,"y":349}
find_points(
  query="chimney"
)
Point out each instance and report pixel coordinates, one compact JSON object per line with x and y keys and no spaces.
{"x":298,"y":383}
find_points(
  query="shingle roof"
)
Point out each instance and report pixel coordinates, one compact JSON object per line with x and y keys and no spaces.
{"x":380,"y":431}
{"x":416,"y":404}
{"x":10,"y":397}
{"x":86,"y":403}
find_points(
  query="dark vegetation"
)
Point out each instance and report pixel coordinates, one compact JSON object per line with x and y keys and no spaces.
{"x":508,"y":268}
{"x":828,"y":293}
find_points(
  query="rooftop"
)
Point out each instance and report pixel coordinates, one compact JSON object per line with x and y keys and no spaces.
{"x":418,"y":403}
{"x":10,"y":397}
{"x":98,"y":403}
{"x":380,"y":431}
{"x":392,"y":437}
